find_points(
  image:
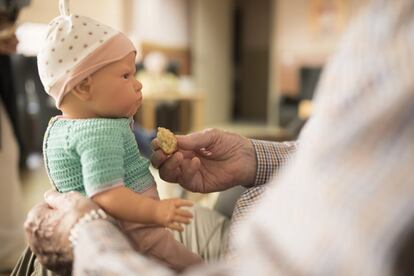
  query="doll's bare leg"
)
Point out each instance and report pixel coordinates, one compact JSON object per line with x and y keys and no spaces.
{"x":159,"y":243}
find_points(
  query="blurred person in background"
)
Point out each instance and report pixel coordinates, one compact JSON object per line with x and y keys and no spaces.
{"x":11,"y":213}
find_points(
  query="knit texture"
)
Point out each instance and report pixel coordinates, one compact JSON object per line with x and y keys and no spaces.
{"x":92,"y":155}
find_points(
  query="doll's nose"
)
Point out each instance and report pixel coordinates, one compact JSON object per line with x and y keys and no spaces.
{"x":138,"y":86}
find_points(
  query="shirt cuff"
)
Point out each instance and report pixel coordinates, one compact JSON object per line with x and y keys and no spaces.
{"x":271,"y":157}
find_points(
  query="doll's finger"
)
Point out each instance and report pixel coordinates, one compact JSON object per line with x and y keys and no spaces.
{"x":183,"y":213}
{"x":181,"y":219}
{"x":183,"y":203}
{"x":175,"y":226}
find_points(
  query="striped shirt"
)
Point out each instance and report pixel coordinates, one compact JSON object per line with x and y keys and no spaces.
{"x":344,"y":203}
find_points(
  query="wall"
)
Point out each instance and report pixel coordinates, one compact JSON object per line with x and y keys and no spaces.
{"x":211,"y":55}
{"x":293,"y":35}
{"x":294,"y":42}
{"x":252,"y":68}
{"x":110,"y":12}
{"x":164,"y":22}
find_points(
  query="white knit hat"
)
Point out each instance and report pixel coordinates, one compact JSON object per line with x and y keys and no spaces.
{"x":75,"y":47}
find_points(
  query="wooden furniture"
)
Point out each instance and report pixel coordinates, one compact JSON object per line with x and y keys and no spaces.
{"x":192,"y":117}
{"x":174,"y":54}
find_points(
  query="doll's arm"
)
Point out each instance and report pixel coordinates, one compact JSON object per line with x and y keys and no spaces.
{"x":124,"y":204}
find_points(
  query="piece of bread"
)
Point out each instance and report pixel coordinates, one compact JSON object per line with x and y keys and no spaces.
{"x":166,"y":140}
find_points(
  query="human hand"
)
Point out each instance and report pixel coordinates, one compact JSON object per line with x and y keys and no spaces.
{"x":48,"y":226}
{"x":169,"y":213}
{"x":208,"y":161}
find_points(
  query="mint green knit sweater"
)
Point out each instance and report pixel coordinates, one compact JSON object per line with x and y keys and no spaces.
{"x":92,"y":155}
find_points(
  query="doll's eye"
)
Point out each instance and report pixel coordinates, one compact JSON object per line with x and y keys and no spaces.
{"x":125,"y":76}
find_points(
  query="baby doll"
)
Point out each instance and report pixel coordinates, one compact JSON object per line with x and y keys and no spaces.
{"x":89,"y":68}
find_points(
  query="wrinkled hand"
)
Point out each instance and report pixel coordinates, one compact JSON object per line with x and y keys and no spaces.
{"x":208,"y":161}
{"x":170,"y":213}
{"x":48,"y":225}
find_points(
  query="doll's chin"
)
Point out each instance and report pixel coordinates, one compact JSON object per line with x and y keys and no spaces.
{"x":133,"y":111}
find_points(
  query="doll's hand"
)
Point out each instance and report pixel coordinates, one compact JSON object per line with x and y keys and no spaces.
{"x":170,"y":214}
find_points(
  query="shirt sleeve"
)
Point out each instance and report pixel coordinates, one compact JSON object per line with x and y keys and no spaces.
{"x":101,"y":155}
{"x":271,"y":158}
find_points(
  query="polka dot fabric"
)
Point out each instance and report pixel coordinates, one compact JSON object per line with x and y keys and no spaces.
{"x":69,"y":39}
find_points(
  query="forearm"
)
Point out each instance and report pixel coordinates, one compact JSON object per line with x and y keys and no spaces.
{"x":271,"y":158}
{"x":124,"y":204}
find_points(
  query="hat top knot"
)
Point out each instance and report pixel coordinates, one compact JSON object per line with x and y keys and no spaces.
{"x":64,"y":7}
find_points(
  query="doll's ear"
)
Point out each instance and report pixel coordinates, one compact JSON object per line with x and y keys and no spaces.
{"x":83,"y":89}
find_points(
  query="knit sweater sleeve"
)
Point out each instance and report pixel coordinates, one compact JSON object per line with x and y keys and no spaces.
{"x":101,"y":152}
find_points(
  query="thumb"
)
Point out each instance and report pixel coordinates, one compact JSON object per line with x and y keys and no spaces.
{"x":197,"y":140}
{"x":58,"y":200}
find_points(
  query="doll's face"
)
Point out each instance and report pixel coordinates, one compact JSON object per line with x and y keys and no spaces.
{"x":114,"y":90}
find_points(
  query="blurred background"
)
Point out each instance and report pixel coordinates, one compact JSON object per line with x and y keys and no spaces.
{"x":246,"y":66}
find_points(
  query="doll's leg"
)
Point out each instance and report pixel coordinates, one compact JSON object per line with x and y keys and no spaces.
{"x":159,"y":243}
